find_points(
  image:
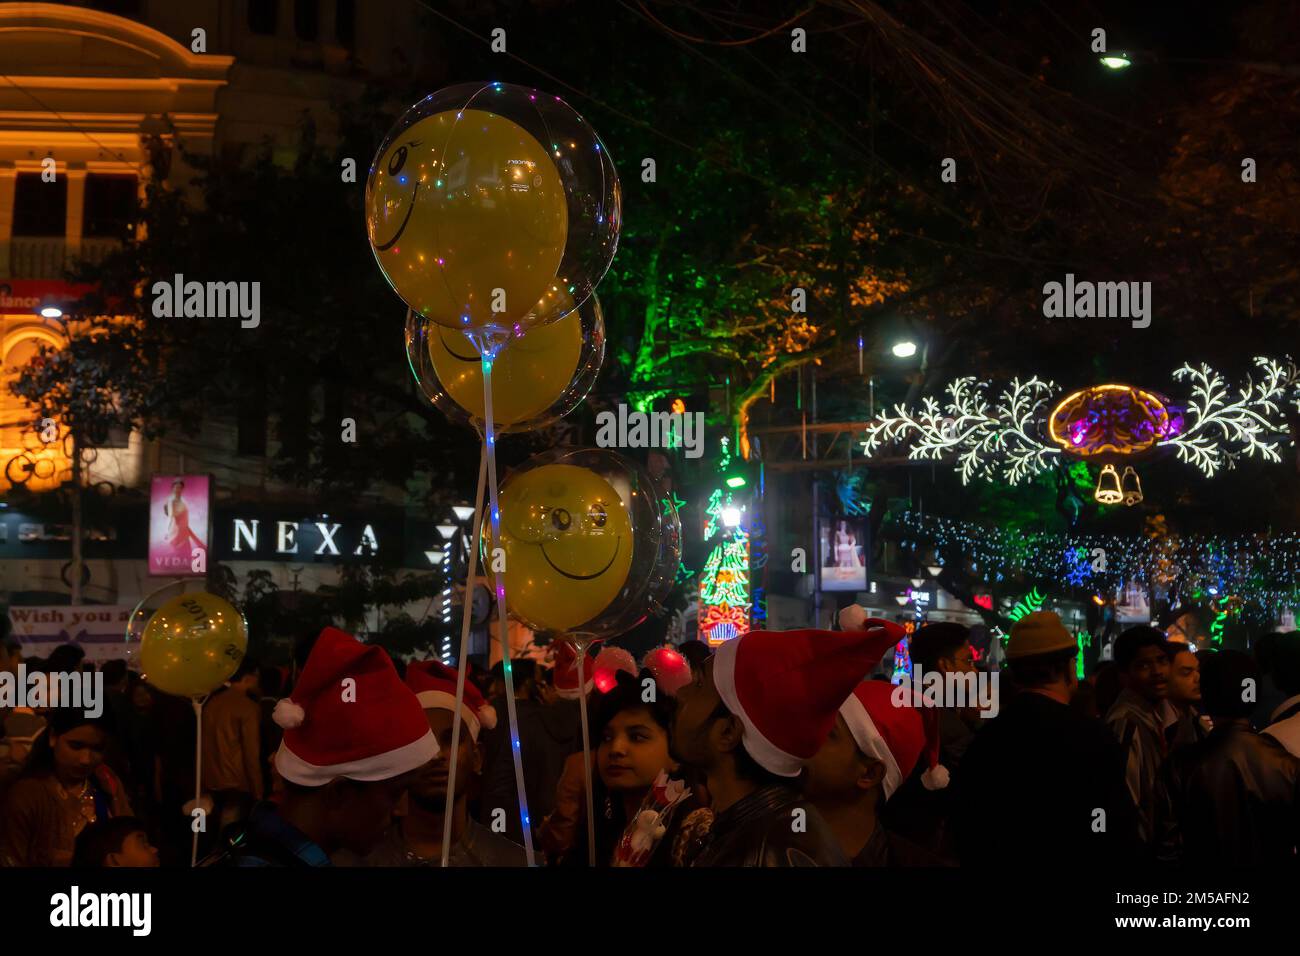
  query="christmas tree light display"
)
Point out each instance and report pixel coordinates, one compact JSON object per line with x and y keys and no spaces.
{"x":724,"y":583}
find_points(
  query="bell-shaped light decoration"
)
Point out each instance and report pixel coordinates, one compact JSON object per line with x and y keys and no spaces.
{"x":1131,"y":486}
{"x":1108,"y":489}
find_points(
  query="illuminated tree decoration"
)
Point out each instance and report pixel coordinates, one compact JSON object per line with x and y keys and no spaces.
{"x":724,"y":582}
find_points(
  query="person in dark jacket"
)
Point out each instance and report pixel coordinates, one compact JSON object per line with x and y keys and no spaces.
{"x":1235,"y":793}
{"x":1142,"y":719}
{"x":761,"y":707}
{"x":916,"y":812}
{"x":1185,"y":696}
{"x":548,"y":733}
{"x":1041,"y":780}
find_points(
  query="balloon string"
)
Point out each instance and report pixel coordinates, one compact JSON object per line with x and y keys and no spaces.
{"x":586,"y":757}
{"x":466,"y":606}
{"x":488,"y":349}
{"x":198,"y":775}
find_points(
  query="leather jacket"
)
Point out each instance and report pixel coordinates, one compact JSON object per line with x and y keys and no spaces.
{"x":1237,"y":798}
{"x":758,"y":830}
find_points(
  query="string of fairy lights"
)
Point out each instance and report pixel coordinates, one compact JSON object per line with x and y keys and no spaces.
{"x":1260,"y":569}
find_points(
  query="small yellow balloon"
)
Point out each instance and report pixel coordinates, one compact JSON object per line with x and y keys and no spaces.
{"x":568,"y":545}
{"x":468,"y":219}
{"x":192,"y":645}
{"x":528,"y":376}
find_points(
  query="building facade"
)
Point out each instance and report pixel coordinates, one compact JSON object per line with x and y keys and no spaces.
{"x":91,"y":96}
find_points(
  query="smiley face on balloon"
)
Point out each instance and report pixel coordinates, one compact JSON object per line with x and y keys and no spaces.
{"x":528,"y":376}
{"x":568,"y":545}
{"x":467,"y":218}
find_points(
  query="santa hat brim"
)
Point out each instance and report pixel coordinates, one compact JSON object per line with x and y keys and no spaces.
{"x":870,"y":742}
{"x":383,"y":766}
{"x":769,"y":755}
{"x":441,"y":700}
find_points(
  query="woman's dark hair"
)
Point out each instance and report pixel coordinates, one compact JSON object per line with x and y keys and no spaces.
{"x":627,"y":694}
{"x":97,"y":841}
{"x":697,"y":653}
{"x":59,"y":721}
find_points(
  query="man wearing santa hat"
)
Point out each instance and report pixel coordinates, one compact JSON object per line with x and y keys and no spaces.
{"x":760,"y":708}
{"x":872,"y":748}
{"x":353,"y":733}
{"x":415,"y":838}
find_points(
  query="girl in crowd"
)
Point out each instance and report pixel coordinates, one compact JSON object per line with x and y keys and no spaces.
{"x":639,"y":805}
{"x":64,"y":787}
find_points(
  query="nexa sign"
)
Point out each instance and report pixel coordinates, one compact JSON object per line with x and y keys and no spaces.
{"x":259,"y":537}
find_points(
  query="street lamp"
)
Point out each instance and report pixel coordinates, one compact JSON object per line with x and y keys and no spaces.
{"x":462,"y":512}
{"x":1116,"y":61}
{"x":905,"y":348}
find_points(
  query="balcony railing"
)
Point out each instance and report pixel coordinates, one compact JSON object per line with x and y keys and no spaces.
{"x":37,"y":257}
{"x":47,"y":257}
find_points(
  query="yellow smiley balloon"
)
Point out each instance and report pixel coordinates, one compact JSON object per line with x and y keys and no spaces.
{"x":468,"y":219}
{"x":568,"y":545}
{"x":192,"y":645}
{"x":528,"y":376}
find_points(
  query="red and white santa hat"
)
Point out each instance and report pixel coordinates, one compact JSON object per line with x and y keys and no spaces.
{"x":786,"y":686}
{"x":434,"y":684}
{"x":350,"y":716}
{"x":565,"y":675}
{"x":887,"y":727}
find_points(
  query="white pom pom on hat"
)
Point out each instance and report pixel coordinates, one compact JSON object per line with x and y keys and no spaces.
{"x":936,"y":777}
{"x":288,"y":714}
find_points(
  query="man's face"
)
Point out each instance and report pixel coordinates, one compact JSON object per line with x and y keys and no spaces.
{"x":1148,"y":675}
{"x":1185,"y":678}
{"x":839,"y":773}
{"x":962,"y":661}
{"x":362,"y":812}
{"x":429,"y":786}
{"x":693,"y":721}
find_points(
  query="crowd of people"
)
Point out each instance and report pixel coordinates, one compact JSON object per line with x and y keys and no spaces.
{"x":773,"y":749}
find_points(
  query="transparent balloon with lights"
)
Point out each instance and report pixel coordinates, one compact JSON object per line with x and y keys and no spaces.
{"x":592,"y":543}
{"x":493,"y":207}
{"x":539,"y":375}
